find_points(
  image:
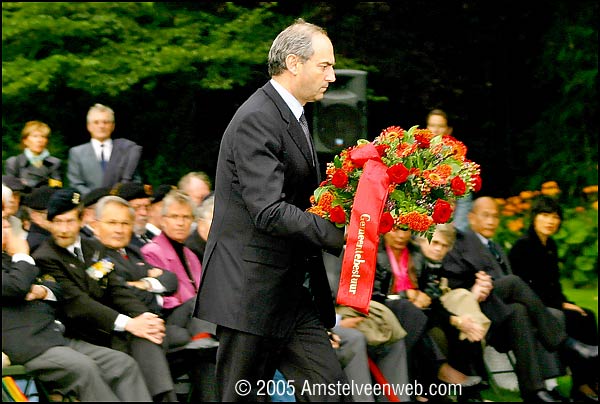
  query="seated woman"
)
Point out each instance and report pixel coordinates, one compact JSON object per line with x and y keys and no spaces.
{"x":534,"y":257}
{"x":396,"y":285}
{"x":35,"y":166}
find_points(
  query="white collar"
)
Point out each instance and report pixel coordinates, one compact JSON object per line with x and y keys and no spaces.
{"x":289,"y":99}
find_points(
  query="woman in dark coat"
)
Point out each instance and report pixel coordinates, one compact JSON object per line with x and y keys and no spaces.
{"x":35,"y":166}
{"x":534,"y":258}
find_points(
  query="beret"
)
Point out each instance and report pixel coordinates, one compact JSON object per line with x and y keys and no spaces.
{"x":63,"y":201}
{"x":130,"y":191}
{"x":161,"y":191}
{"x":39,"y":198}
{"x":94,"y":196}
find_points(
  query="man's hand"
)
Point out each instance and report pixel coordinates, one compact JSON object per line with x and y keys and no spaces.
{"x":473,"y":331}
{"x":15,"y":244}
{"x":148,"y":326}
{"x":154,"y":272}
{"x":36,"y":292}
{"x":334,"y":339}
{"x":483,"y":286}
{"x":421,"y":300}
{"x":143,"y":285}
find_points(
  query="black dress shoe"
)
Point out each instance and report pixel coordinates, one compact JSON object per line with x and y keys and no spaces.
{"x":583,"y":350}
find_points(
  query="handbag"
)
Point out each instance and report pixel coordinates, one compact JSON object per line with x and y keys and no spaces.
{"x":380,"y":326}
{"x":462,"y":302}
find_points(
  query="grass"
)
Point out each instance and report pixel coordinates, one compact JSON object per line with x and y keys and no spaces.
{"x":583,"y":297}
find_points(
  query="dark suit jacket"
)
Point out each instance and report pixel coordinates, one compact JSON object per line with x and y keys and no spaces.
{"x":28,"y":327}
{"x":36,"y":236}
{"x":197,"y":244}
{"x":84,"y":170}
{"x":262,"y":241}
{"x":135,"y":268}
{"x":467,"y":257}
{"x":89,"y":307}
{"x":20,"y":167}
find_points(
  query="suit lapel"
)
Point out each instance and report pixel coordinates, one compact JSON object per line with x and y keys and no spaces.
{"x":91,"y":165}
{"x":293,"y":126}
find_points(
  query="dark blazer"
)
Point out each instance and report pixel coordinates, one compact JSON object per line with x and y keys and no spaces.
{"x":20,"y":167}
{"x":36,"y":236}
{"x":28,"y":327}
{"x":537,"y":265}
{"x":89,"y":307}
{"x":262,"y":241}
{"x":85,"y":173}
{"x":197,"y":244}
{"x":469,"y":256}
{"x":134,"y":268}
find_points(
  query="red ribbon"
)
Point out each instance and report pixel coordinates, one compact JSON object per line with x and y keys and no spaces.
{"x":358,"y":266}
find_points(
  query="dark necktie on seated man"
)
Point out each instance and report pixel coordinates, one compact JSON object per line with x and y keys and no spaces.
{"x":102,"y":157}
{"x":78,"y":253}
{"x":495,"y":250}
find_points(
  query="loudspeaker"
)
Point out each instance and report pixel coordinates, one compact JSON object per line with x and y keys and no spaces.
{"x":340,"y":118}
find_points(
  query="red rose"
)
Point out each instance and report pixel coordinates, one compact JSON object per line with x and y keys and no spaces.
{"x":458,"y":186}
{"x":382,"y":149}
{"x":337,"y":215}
{"x":386,"y":223}
{"x":398,"y":173}
{"x":441,"y":211}
{"x":476,"y":183}
{"x":339,"y":178}
{"x":422,"y":140}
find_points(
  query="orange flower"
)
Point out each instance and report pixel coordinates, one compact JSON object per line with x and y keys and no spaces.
{"x":325,"y":201}
{"x":500,"y":201}
{"x":590,"y":189}
{"x":527,"y":194}
{"x":515,"y":225}
{"x":514,"y":200}
{"x":550,"y":188}
{"x":580,"y":209}
{"x":506,"y":212}
{"x":595,"y":205}
{"x":416,"y":221}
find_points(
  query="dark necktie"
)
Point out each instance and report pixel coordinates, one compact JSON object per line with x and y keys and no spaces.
{"x":495,"y":250}
{"x":304,"y":125}
{"x":78,"y":253}
{"x":102,"y":158}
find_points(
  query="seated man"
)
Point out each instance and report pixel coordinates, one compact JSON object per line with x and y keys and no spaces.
{"x":135,"y":193}
{"x":115,"y":218}
{"x":98,"y":306}
{"x":204,"y":214}
{"x":31,"y":336}
{"x":519,"y":318}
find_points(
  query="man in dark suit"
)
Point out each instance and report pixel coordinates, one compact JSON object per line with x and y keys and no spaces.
{"x":263,"y":244}
{"x":99,"y":307}
{"x":519,"y":318}
{"x":139,"y":199}
{"x":102,"y":162}
{"x":204,"y":215}
{"x":32,"y":337}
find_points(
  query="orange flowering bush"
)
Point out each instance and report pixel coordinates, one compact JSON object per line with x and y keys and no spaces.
{"x":427,"y":174}
{"x":577,"y":238}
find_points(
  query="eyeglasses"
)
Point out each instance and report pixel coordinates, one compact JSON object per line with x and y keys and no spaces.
{"x":114,"y":223}
{"x":185,"y":218}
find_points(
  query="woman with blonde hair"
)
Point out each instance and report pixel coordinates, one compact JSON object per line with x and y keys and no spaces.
{"x":35,"y":166}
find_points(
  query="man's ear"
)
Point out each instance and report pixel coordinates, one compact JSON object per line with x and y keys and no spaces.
{"x":291,"y":63}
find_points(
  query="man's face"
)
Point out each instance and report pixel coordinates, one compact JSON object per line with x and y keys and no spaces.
{"x":315,"y":74}
{"x":100,"y":125}
{"x":197,"y":190}
{"x":114,"y":227}
{"x":485,"y":217}
{"x":65,"y":228}
{"x":6,"y":229}
{"x":438,"y":125}
{"x":437,"y":249}
{"x":141,"y":207}
{"x":204,"y":226}
{"x":177,"y":221}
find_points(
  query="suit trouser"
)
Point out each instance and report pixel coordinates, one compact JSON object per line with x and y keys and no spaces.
{"x":152,"y":361}
{"x":392,"y":360}
{"x":584,"y":329}
{"x":304,"y":356}
{"x":92,"y":372}
{"x":529,"y":322}
{"x":352,"y":355}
